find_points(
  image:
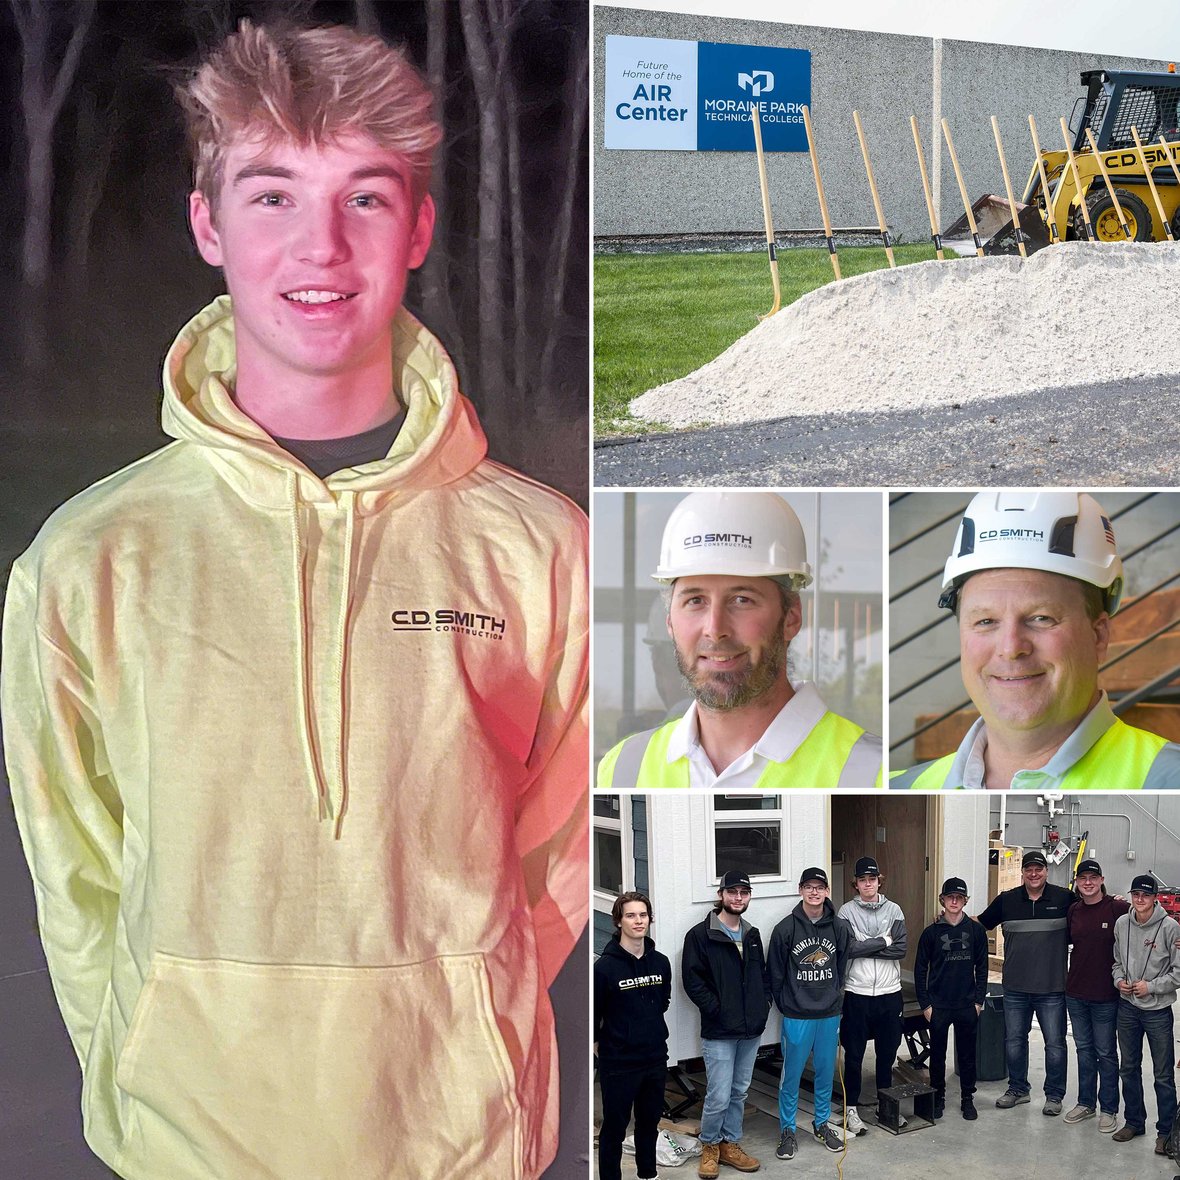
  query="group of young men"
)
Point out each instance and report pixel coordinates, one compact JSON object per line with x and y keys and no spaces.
{"x":835,"y":977}
{"x":836,"y":980}
{"x":1113,"y":966}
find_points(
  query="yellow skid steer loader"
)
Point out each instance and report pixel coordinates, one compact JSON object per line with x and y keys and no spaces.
{"x":1116,"y":101}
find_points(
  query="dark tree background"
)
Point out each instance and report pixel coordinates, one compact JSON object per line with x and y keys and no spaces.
{"x":101,"y":272}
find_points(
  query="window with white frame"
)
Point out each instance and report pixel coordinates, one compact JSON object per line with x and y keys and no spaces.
{"x":613,"y":871}
{"x":747,"y":834}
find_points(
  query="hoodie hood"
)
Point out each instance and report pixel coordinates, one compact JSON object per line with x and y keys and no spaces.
{"x":440,"y":441}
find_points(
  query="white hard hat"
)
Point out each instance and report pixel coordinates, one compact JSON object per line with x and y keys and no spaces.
{"x":750,"y":534}
{"x":1060,"y":532}
{"x":657,"y":624}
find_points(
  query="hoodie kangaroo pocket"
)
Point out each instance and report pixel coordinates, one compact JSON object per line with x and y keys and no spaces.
{"x":257,"y":1071}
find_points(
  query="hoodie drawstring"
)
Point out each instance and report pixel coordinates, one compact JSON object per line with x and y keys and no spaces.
{"x":349,"y":498}
{"x":303,"y":672}
{"x":331,"y":796}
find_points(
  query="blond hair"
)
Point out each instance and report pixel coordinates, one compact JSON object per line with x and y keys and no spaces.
{"x":309,"y":85}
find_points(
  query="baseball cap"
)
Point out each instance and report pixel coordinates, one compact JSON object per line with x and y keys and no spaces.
{"x":866,"y":867}
{"x":1144,"y":884}
{"x":954,"y":885}
{"x":734,"y":878}
{"x":1089,"y":866}
{"x":814,"y":874}
{"x":1035,"y":857}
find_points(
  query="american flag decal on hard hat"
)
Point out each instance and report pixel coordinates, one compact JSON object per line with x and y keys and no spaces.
{"x":1106,"y":528}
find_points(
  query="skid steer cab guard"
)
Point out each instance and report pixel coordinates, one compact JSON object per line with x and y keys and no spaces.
{"x":1117,"y":105}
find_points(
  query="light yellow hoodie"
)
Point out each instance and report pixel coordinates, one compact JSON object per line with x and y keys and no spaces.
{"x":307,"y":849}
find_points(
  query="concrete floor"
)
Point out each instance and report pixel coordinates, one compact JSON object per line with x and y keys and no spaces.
{"x":1016,"y":1144}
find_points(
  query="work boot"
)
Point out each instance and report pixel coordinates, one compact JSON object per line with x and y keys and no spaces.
{"x":733,"y":1156}
{"x":1010,"y":1098}
{"x":1161,"y":1145}
{"x":1079,"y":1114}
{"x":856,"y":1125}
{"x":939,"y":1104}
{"x":786,"y":1145}
{"x":969,"y":1111}
{"x":710,"y":1161}
{"x":1126,"y":1133}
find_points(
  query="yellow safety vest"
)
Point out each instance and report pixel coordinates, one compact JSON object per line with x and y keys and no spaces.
{"x":640,"y":762}
{"x":1122,"y":759}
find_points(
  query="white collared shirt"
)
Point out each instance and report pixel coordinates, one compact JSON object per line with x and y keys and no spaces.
{"x":967,"y":770}
{"x":783,"y":737}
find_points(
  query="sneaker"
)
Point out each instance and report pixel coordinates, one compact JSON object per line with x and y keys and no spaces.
{"x":1052,"y":1106}
{"x":1010,"y":1098}
{"x":828,"y":1137}
{"x":786,"y":1145}
{"x":969,"y":1111}
{"x":1107,"y":1122}
{"x":939,"y":1105}
{"x":856,"y":1125}
{"x":1080,"y":1113}
{"x":1126,"y":1133}
{"x":733,"y":1156}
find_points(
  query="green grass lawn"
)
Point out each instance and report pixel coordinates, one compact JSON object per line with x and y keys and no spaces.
{"x":661,"y":316}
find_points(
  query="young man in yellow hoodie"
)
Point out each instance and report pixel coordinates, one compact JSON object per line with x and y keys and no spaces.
{"x":315,"y":658}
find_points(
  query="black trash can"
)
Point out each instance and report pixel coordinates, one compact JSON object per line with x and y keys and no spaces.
{"x":991,"y":1063}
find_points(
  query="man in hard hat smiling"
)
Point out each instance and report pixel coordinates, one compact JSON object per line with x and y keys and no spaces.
{"x":1033,"y":579}
{"x":733,"y":564}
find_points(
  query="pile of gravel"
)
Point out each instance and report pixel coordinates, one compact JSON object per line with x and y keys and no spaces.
{"x":944,"y":333}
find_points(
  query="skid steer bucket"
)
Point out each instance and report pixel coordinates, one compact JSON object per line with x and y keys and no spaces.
{"x":993,"y":220}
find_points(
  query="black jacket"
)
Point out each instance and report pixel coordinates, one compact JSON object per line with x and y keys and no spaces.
{"x":630,"y":998}
{"x":1036,"y":937}
{"x":951,"y":968}
{"x":807,"y":963}
{"x":731,"y":988}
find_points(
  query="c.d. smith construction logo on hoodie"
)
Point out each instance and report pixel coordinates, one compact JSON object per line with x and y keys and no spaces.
{"x":815,"y":959}
{"x":450,"y":619}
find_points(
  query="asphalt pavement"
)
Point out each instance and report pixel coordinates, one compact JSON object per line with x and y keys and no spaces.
{"x":1118,"y":434}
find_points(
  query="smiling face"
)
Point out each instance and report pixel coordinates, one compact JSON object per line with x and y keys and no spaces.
{"x":735,"y":899}
{"x":634,"y":920}
{"x":731,"y":637}
{"x":1034,"y":877}
{"x":1089,"y":885}
{"x":315,"y":242}
{"x":1029,"y":652}
{"x":1143,"y":903}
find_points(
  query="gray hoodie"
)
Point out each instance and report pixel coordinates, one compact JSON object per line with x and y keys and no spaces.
{"x":878,"y":972}
{"x":1148,"y":952}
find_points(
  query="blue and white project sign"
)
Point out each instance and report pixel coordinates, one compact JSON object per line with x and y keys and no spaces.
{"x":666,"y":95}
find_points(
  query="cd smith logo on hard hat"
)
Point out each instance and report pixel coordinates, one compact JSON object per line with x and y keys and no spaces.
{"x":753,"y":82}
{"x":736,"y":540}
{"x":1011,"y":535}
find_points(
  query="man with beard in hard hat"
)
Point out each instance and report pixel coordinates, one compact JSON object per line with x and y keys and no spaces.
{"x":1033,"y":580}
{"x":732,"y":564}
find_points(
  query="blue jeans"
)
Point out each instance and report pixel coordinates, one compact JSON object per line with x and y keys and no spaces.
{"x":1049,"y":1007}
{"x":801,"y":1039}
{"x":1132,"y":1024}
{"x":1093,"y":1024}
{"x":729,"y":1066}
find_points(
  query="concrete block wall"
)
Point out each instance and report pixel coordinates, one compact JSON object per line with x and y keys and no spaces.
{"x":887,"y":78}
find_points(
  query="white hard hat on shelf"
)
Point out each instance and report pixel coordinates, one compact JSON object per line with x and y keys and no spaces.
{"x":748,"y":534}
{"x":657,"y":623}
{"x":1060,"y":532}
